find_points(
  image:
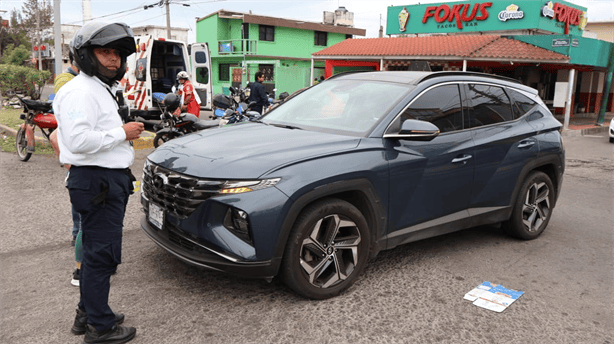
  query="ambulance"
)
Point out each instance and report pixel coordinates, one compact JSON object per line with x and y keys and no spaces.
{"x":152,"y":71}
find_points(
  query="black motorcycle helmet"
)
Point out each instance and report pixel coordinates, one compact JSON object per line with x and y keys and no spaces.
{"x":171,"y":101}
{"x":97,"y":34}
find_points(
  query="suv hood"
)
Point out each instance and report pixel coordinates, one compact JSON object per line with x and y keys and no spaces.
{"x":245,"y":150}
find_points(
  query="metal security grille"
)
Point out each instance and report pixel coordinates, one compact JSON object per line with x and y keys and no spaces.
{"x":178,"y":194}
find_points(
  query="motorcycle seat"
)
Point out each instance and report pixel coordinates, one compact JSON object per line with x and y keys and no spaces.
{"x":38,"y":105}
{"x":204,"y":124}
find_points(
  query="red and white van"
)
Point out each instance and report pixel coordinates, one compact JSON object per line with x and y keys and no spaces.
{"x":154,"y":67}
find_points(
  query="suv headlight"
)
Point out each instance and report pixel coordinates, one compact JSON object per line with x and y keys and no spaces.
{"x":237,"y":187}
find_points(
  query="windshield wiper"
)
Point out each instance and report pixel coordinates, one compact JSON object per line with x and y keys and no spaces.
{"x":259,"y":121}
{"x":286,"y":126}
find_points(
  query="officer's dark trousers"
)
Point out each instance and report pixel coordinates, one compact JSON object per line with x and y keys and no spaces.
{"x":100,"y":196}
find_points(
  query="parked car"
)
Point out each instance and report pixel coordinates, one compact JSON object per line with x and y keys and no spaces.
{"x":358,"y":164}
{"x":612,"y":131}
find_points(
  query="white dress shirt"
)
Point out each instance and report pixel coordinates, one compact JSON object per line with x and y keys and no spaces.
{"x":90,"y":130}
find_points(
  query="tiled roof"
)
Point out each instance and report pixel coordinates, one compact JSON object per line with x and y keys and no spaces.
{"x":462,"y":46}
{"x":507,"y":48}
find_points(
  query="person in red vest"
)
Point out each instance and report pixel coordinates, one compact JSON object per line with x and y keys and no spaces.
{"x":191,"y":102}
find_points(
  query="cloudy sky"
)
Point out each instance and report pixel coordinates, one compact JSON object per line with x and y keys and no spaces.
{"x":367,"y":13}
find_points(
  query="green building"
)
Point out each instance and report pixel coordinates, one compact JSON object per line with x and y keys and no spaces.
{"x":243,"y":43}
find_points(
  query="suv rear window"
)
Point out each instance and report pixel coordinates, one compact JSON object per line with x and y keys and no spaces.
{"x":489,"y":105}
{"x":522,"y":103}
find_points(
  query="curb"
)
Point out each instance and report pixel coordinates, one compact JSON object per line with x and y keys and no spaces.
{"x":13,"y":132}
{"x":143,"y":142}
{"x":586,"y":131}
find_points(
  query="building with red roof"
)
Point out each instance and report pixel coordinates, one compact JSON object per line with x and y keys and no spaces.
{"x":541,"y":44}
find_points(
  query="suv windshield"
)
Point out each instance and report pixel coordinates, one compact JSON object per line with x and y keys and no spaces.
{"x":339,"y":106}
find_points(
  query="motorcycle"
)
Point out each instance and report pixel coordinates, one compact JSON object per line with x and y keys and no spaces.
{"x":234,"y":109}
{"x":276,"y":102}
{"x":238,"y":99}
{"x":36,"y":114}
{"x":173,"y":126}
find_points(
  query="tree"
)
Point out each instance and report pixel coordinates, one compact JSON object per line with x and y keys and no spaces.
{"x":15,"y":56}
{"x":29,"y":9}
{"x":16,"y":37}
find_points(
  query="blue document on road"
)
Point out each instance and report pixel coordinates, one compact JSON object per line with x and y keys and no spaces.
{"x":494,"y":297}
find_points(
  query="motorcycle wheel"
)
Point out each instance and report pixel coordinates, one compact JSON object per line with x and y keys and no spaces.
{"x":21,"y":143}
{"x":159,"y":139}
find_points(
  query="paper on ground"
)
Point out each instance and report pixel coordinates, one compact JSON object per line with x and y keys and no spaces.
{"x":494,"y":297}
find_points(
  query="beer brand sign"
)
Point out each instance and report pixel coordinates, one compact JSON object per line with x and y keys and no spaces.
{"x":511,"y":12}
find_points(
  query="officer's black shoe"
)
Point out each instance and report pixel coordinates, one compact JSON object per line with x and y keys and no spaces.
{"x":80,"y":324}
{"x":115,"y":335}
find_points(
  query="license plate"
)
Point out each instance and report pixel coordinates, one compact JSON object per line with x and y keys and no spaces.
{"x":156,"y":215}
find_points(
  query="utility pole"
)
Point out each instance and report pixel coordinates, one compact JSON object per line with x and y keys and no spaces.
{"x":57,"y":26}
{"x":38,"y":33}
{"x":168,"y":19}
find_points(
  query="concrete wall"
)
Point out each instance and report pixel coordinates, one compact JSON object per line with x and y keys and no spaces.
{"x":603,"y":30}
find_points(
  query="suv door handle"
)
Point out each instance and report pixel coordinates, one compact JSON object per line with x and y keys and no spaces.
{"x":462,"y":159}
{"x":525,"y":144}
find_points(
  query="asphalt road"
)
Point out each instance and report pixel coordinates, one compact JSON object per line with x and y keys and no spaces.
{"x":412,"y":294}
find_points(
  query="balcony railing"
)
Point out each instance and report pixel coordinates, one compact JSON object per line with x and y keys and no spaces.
{"x":237,"y":47}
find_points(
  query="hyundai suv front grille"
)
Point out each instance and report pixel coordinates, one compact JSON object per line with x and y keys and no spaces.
{"x":177,"y":193}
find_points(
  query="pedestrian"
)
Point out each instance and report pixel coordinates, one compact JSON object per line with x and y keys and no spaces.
{"x":60,"y":81}
{"x":96,"y":143}
{"x":191,"y":101}
{"x":257,"y":93}
{"x":321,"y":78}
{"x":315,"y":81}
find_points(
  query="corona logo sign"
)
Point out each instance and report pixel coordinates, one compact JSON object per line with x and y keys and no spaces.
{"x":461,"y":13}
{"x":511,"y":12}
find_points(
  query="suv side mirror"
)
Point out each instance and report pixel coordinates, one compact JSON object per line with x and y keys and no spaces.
{"x":416,"y":130}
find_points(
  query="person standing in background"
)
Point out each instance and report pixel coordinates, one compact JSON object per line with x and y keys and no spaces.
{"x":257,"y":93}
{"x":191,"y":102}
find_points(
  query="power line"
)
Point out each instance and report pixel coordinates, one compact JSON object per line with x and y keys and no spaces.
{"x":163,"y":14}
{"x":133,"y":10}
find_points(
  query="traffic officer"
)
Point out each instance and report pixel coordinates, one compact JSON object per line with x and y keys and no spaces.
{"x":96,"y":143}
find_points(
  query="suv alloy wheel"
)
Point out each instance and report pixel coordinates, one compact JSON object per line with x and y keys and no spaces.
{"x":327,"y":249}
{"x":533,"y":207}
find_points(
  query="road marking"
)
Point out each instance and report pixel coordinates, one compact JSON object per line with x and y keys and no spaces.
{"x":593,"y":136}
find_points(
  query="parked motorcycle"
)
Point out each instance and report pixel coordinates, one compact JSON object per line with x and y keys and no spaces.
{"x":233,"y":109}
{"x":35,"y":114}
{"x":173,"y":126}
{"x":276,"y":102}
{"x":237,"y":100}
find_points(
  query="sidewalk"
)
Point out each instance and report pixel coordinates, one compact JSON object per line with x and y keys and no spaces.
{"x":584,"y":124}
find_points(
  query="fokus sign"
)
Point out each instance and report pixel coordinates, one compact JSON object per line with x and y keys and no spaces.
{"x":483,"y":16}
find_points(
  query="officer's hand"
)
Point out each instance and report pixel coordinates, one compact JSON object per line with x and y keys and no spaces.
{"x":133,"y":130}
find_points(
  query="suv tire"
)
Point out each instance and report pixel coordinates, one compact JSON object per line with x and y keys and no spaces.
{"x":532,"y":208}
{"x":327,"y":249}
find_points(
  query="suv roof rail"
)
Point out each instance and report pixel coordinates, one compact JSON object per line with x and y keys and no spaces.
{"x":346,"y":73}
{"x":452,"y":73}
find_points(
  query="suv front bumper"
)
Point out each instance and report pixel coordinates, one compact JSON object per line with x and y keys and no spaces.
{"x":188,"y":250}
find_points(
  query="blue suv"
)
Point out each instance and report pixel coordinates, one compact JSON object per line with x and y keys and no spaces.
{"x":359,"y":163}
